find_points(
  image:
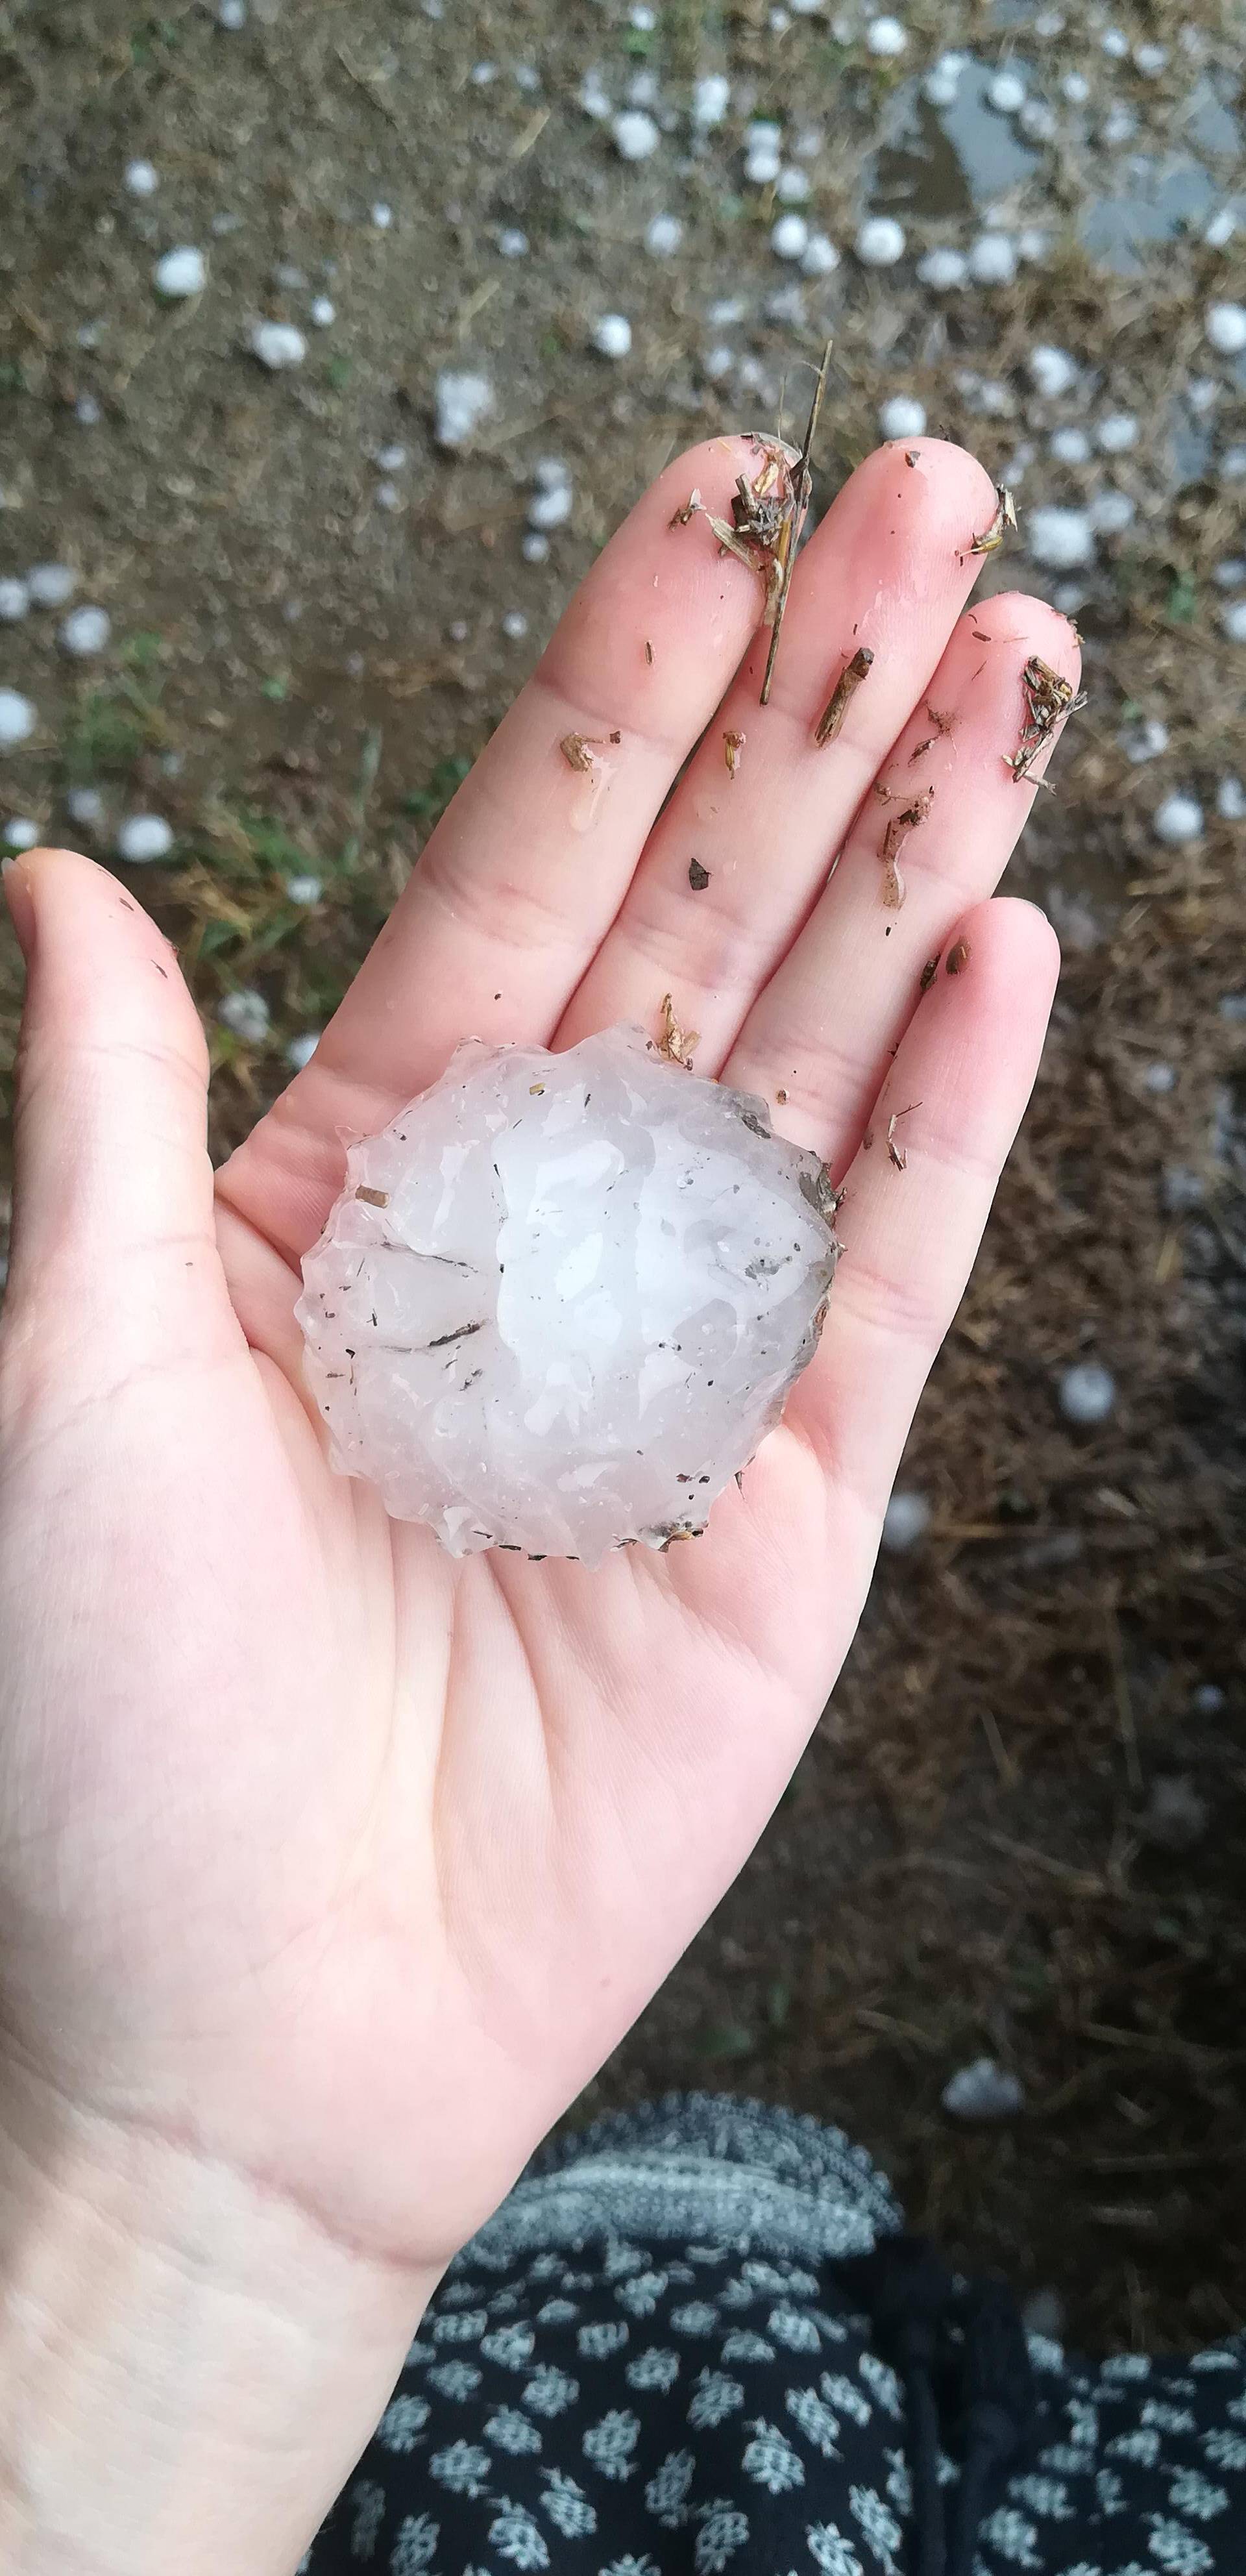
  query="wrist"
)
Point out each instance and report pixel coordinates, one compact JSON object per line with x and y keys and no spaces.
{"x":189,"y":2365}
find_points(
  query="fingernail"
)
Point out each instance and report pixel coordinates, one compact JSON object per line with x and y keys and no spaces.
{"x":18,"y":896}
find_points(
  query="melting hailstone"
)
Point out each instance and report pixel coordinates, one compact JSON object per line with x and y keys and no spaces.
{"x":563,"y":1297}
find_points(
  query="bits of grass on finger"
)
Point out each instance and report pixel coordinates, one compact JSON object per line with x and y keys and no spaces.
{"x":698,"y":877}
{"x":958,"y":957}
{"x":1005,"y":519}
{"x":1048,"y":698}
{"x":850,"y":678}
{"x":674,"y":1042}
{"x":579,"y":750}
{"x":733,"y":745}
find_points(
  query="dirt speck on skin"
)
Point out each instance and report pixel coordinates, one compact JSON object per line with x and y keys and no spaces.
{"x":318,"y":617}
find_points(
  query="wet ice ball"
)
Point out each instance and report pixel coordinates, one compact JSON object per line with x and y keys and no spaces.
{"x":562,"y":1298}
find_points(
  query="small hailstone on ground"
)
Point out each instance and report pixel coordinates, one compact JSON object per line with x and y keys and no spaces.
{"x":512,"y":243}
{"x":663,"y":236}
{"x":1230,"y":572}
{"x":906,"y":1519}
{"x":1111,"y":513}
{"x":84,"y":632}
{"x":1039,"y":121}
{"x":1181,"y":1190}
{"x":278,"y":345}
{"x":21,"y":833}
{"x":821,"y":258}
{"x":902,"y":416}
{"x":1061,"y":539}
{"x":1178,"y":820}
{"x":306,"y":890}
{"x":635,"y":134}
{"x":1150,"y":60}
{"x":940,"y":87}
{"x":1233,"y":621}
{"x":1052,"y":371}
{"x":382,"y":216}
{"x":181,"y":273}
{"x":551,"y":507}
{"x":85,"y":805}
{"x":1043,"y":2313}
{"x":232,"y":15}
{"x":245,"y":1012}
{"x":886,"y":37}
{"x":1175,"y":1816}
{"x":1207,"y":1700}
{"x":983,"y":2091}
{"x":51,"y":584}
{"x":141,"y":178}
{"x":762,"y":165}
{"x":87,"y":412}
{"x":1231,"y":800}
{"x":577,"y":1340}
{"x":323,"y":313}
{"x":1076,"y":88}
{"x":1087,"y":1392}
{"x":711,"y":98}
{"x":612,"y":335}
{"x":1160,"y":1079}
{"x":1115,"y":43}
{"x":1071,"y":446}
{"x":993,"y":259}
{"x":388,"y":497}
{"x":301,"y":1049}
{"x":514,"y":625}
{"x":718,"y":362}
{"x":789,"y":238}
{"x":460,"y":401}
{"x":1233,"y":465}
{"x":593,"y":99}
{"x":1006,"y":93}
{"x":1119,"y":126}
{"x":1033,"y":245}
{"x":17,"y":718}
{"x":1226,"y":328}
{"x":943,"y":269}
{"x":792,"y":187}
{"x":880,"y":242}
{"x":1146,"y":741}
{"x":1117,"y":433}
{"x":143,"y":837}
{"x":1220,"y":231}
{"x":535,"y":548}
{"x":391,"y":458}
{"x":14,"y":601}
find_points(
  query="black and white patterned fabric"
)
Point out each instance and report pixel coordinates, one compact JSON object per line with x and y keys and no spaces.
{"x":649,"y":2364}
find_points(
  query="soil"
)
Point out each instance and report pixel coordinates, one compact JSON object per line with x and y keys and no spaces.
{"x":972,"y":1859}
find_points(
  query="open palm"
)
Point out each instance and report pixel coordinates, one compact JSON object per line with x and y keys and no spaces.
{"x":346,"y":1862}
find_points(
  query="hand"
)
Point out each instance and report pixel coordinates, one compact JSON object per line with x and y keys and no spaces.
{"x":330,"y":1866}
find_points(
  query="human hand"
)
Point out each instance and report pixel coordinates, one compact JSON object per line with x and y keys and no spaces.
{"x":331,"y":1869}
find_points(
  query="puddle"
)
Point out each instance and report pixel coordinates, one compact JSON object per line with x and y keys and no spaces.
{"x":936,"y":162}
{"x":949,"y":160}
{"x":1155,"y":200}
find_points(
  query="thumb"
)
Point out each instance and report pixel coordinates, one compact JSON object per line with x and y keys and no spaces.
{"x":112,"y":1214}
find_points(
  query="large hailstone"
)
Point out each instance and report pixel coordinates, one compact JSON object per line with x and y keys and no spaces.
{"x":562,"y":1297}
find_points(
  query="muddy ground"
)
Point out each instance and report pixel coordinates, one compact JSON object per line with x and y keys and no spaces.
{"x":308,"y":645}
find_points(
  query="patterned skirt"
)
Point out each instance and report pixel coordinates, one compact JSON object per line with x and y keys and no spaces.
{"x":696,"y":2339}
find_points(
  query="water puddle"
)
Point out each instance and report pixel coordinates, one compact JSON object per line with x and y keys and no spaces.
{"x":959,"y":159}
{"x":948,"y":160}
